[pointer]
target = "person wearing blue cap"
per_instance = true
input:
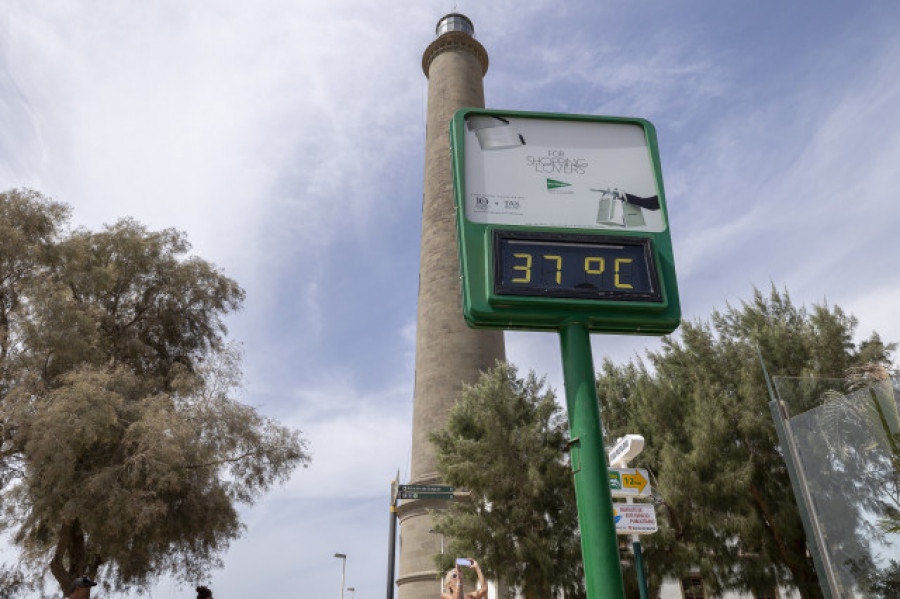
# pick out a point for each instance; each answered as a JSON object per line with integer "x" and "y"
{"x": 81, "y": 588}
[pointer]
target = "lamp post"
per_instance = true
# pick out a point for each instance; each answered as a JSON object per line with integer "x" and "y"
{"x": 343, "y": 559}
{"x": 352, "y": 592}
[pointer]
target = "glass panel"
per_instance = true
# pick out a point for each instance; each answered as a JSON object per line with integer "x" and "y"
{"x": 848, "y": 448}
{"x": 455, "y": 23}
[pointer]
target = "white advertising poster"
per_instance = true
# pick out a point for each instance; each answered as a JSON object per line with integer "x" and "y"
{"x": 547, "y": 172}
{"x": 634, "y": 518}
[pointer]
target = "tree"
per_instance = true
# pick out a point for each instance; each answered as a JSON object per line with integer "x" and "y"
{"x": 884, "y": 582}
{"x": 504, "y": 443}
{"x": 29, "y": 228}
{"x": 123, "y": 450}
{"x": 725, "y": 501}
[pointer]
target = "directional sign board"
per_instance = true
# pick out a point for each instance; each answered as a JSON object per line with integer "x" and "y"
{"x": 634, "y": 518}
{"x": 413, "y": 495}
{"x": 629, "y": 482}
{"x": 562, "y": 217}
{"x": 426, "y": 492}
{"x": 625, "y": 450}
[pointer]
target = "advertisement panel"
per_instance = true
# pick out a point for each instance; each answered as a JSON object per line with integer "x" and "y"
{"x": 562, "y": 218}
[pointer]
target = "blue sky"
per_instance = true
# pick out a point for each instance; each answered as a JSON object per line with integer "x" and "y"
{"x": 286, "y": 139}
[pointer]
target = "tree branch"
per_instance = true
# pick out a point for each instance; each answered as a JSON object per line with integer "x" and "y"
{"x": 232, "y": 460}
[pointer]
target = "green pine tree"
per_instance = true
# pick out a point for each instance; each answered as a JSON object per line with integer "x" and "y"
{"x": 505, "y": 443}
{"x": 725, "y": 503}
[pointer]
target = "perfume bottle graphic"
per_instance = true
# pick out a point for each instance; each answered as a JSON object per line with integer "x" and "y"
{"x": 620, "y": 209}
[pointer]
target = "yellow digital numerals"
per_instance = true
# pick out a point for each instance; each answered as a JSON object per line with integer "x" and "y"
{"x": 558, "y": 261}
{"x": 526, "y": 268}
{"x": 593, "y": 265}
{"x": 619, "y": 284}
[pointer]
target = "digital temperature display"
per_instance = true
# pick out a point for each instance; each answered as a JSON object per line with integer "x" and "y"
{"x": 591, "y": 267}
{"x": 561, "y": 219}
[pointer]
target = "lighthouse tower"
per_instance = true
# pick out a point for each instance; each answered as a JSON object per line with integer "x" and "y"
{"x": 448, "y": 352}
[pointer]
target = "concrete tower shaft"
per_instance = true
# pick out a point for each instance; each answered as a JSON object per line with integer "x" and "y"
{"x": 448, "y": 352}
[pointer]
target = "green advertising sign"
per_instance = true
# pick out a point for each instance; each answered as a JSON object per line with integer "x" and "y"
{"x": 562, "y": 218}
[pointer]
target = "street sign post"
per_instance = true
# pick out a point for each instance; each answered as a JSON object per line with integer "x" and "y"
{"x": 629, "y": 482}
{"x": 427, "y": 488}
{"x": 412, "y": 495}
{"x": 634, "y": 518}
{"x": 392, "y": 535}
{"x": 426, "y": 492}
{"x": 625, "y": 450}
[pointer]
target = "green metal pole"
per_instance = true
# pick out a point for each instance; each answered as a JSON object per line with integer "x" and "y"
{"x": 599, "y": 547}
{"x": 639, "y": 566}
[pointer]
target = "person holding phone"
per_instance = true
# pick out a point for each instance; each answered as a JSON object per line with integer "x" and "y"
{"x": 453, "y": 581}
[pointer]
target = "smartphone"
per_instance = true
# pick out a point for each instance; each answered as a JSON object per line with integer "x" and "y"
{"x": 462, "y": 561}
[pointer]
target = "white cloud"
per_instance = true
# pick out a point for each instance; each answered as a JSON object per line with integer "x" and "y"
{"x": 875, "y": 306}
{"x": 358, "y": 438}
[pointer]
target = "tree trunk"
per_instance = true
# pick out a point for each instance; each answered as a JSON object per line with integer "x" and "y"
{"x": 806, "y": 578}
{"x": 69, "y": 559}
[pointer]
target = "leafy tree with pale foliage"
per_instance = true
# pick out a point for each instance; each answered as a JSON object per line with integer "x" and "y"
{"x": 123, "y": 449}
{"x": 505, "y": 443}
{"x": 725, "y": 502}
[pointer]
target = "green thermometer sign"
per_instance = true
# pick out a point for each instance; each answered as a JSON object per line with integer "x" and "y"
{"x": 562, "y": 218}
